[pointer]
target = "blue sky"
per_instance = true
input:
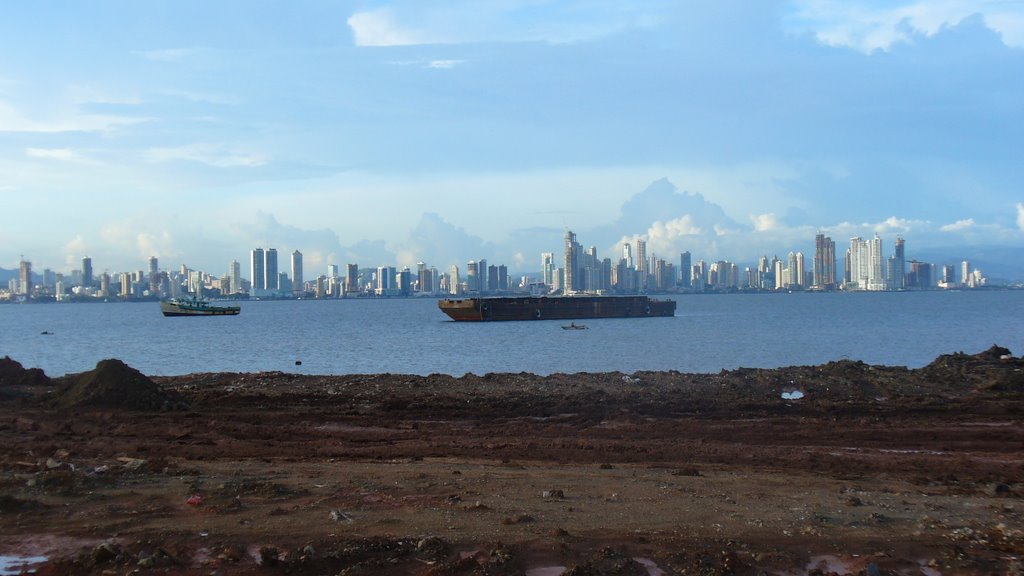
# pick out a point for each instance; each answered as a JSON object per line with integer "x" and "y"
{"x": 391, "y": 132}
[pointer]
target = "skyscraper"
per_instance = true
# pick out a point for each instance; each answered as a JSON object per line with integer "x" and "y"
{"x": 898, "y": 281}
{"x": 684, "y": 270}
{"x": 352, "y": 279}
{"x": 270, "y": 269}
{"x": 547, "y": 268}
{"x": 824, "y": 263}
{"x": 258, "y": 271}
{"x": 641, "y": 264}
{"x": 87, "y": 271}
{"x": 154, "y": 275}
{"x": 235, "y": 277}
{"x": 297, "y": 272}
{"x": 25, "y": 278}
{"x": 571, "y": 263}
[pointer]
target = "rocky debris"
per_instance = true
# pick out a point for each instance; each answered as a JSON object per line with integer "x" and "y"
{"x": 13, "y": 376}
{"x": 608, "y": 562}
{"x": 114, "y": 384}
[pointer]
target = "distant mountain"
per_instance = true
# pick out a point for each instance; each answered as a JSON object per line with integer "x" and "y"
{"x": 1000, "y": 264}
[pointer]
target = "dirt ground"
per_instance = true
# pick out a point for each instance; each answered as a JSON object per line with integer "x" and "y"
{"x": 874, "y": 470}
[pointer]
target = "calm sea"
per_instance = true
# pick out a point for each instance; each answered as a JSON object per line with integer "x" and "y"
{"x": 709, "y": 333}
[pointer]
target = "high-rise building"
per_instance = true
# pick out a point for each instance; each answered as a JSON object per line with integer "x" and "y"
{"x": 235, "y": 277}
{"x": 684, "y": 271}
{"x": 454, "y": 284}
{"x": 641, "y": 264}
{"x": 154, "y": 275}
{"x": 258, "y": 271}
{"x": 876, "y": 270}
{"x": 25, "y": 278}
{"x": 571, "y": 263}
{"x": 352, "y": 279}
{"x": 270, "y": 269}
{"x": 87, "y": 279}
{"x": 824, "y": 273}
{"x": 547, "y": 268}
{"x": 472, "y": 277}
{"x": 898, "y": 281}
{"x": 297, "y": 272}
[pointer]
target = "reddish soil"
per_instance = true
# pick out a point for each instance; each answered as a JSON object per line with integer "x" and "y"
{"x": 875, "y": 470}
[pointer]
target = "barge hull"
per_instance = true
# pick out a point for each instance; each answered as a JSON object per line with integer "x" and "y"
{"x": 555, "y": 308}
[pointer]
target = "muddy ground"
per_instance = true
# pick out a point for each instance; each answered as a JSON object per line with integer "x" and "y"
{"x": 874, "y": 470}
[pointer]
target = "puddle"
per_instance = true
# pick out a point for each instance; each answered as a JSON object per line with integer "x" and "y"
{"x": 652, "y": 568}
{"x": 547, "y": 571}
{"x": 13, "y": 565}
{"x": 794, "y": 395}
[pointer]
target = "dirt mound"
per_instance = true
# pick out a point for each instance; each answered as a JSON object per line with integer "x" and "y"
{"x": 114, "y": 384}
{"x": 12, "y": 373}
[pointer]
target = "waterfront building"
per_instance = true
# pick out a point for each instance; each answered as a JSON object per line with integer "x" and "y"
{"x": 352, "y": 279}
{"x": 824, "y": 263}
{"x": 641, "y": 264}
{"x": 25, "y": 278}
{"x": 153, "y": 276}
{"x": 571, "y": 263}
{"x": 258, "y": 271}
{"x": 453, "y": 281}
{"x": 898, "y": 280}
{"x": 472, "y": 279}
{"x": 685, "y": 279}
{"x": 547, "y": 268}
{"x": 297, "y": 272}
{"x": 270, "y": 270}
{"x": 235, "y": 277}
{"x": 965, "y": 274}
{"x": 87, "y": 279}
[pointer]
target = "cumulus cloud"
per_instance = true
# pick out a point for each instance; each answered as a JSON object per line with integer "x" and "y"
{"x": 1020, "y": 215}
{"x": 958, "y": 226}
{"x": 764, "y": 222}
{"x": 378, "y": 28}
{"x": 869, "y": 27}
{"x": 74, "y": 250}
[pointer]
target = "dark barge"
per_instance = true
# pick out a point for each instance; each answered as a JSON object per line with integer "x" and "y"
{"x": 555, "y": 308}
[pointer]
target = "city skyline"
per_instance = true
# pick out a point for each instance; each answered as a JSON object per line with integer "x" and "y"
{"x": 864, "y": 268}
{"x": 399, "y": 131}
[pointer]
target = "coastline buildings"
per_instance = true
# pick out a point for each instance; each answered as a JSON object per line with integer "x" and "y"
{"x": 584, "y": 271}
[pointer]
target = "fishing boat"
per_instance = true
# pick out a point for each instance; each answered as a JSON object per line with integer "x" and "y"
{"x": 195, "y": 307}
{"x": 574, "y": 326}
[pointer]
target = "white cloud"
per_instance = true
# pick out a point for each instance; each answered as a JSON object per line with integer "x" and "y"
{"x": 444, "y": 64}
{"x": 74, "y": 250}
{"x": 1020, "y": 215}
{"x": 215, "y": 155}
{"x": 166, "y": 55}
{"x": 378, "y": 28}
{"x": 764, "y": 222}
{"x": 12, "y": 120}
{"x": 63, "y": 154}
{"x": 958, "y": 226}
{"x": 467, "y": 21}
{"x": 868, "y": 28}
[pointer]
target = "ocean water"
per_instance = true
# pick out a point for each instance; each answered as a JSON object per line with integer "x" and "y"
{"x": 709, "y": 333}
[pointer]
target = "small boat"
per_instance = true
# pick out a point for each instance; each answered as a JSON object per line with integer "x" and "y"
{"x": 574, "y": 326}
{"x": 195, "y": 307}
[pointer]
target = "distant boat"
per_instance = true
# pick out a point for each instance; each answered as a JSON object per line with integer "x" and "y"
{"x": 574, "y": 326}
{"x": 195, "y": 307}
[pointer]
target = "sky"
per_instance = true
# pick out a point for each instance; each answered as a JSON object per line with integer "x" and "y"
{"x": 386, "y": 133}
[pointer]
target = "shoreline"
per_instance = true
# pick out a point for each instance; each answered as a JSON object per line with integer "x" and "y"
{"x": 874, "y": 470}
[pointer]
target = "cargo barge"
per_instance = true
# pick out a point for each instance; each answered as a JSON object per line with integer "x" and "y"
{"x": 555, "y": 308}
